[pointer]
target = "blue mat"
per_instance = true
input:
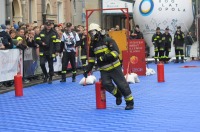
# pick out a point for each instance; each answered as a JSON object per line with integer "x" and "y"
{"x": 172, "y": 106}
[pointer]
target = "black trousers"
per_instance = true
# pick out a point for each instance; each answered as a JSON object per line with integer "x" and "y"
{"x": 49, "y": 59}
{"x": 179, "y": 53}
{"x": 69, "y": 57}
{"x": 116, "y": 76}
{"x": 166, "y": 54}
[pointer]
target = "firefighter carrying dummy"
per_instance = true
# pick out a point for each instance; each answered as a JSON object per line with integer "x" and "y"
{"x": 106, "y": 52}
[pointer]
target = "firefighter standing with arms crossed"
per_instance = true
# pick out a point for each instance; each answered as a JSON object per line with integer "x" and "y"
{"x": 106, "y": 51}
{"x": 49, "y": 46}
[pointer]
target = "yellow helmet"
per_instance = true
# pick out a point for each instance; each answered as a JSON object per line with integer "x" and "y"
{"x": 94, "y": 26}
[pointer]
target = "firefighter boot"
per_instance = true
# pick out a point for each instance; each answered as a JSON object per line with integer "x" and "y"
{"x": 63, "y": 79}
{"x": 182, "y": 60}
{"x": 74, "y": 77}
{"x": 156, "y": 61}
{"x": 50, "y": 80}
{"x": 118, "y": 96}
{"x": 129, "y": 105}
{"x": 177, "y": 60}
{"x": 45, "y": 78}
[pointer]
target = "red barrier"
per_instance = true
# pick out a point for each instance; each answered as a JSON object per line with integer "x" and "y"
{"x": 18, "y": 85}
{"x": 100, "y": 96}
{"x": 134, "y": 57}
{"x": 160, "y": 72}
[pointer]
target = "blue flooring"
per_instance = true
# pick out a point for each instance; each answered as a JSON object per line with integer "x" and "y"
{"x": 172, "y": 106}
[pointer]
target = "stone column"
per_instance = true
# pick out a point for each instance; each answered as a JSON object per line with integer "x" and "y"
{"x": 11, "y": 12}
{"x": 23, "y": 3}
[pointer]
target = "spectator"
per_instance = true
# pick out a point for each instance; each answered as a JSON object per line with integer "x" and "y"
{"x": 117, "y": 28}
{"x": 188, "y": 43}
{"x": 136, "y": 34}
{"x": 15, "y": 25}
{"x": 5, "y": 39}
{"x": 21, "y": 39}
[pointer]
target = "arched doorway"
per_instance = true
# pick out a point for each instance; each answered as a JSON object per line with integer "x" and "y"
{"x": 17, "y": 10}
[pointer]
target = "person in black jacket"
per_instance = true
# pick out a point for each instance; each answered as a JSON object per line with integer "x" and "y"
{"x": 179, "y": 44}
{"x": 188, "y": 43}
{"x": 167, "y": 40}
{"x": 49, "y": 48}
{"x": 137, "y": 34}
{"x": 5, "y": 39}
{"x": 106, "y": 52}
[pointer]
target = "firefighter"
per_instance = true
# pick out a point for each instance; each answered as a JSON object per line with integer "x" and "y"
{"x": 49, "y": 46}
{"x": 178, "y": 44}
{"x": 83, "y": 45}
{"x": 68, "y": 46}
{"x": 106, "y": 51}
{"x": 158, "y": 45}
{"x": 167, "y": 40}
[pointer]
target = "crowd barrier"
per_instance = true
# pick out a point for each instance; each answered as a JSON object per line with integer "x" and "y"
{"x": 14, "y": 61}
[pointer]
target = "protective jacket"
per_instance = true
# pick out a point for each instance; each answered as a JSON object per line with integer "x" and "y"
{"x": 51, "y": 40}
{"x": 158, "y": 42}
{"x": 179, "y": 40}
{"x": 106, "y": 51}
{"x": 167, "y": 40}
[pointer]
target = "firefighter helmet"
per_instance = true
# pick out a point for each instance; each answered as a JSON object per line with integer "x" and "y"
{"x": 94, "y": 26}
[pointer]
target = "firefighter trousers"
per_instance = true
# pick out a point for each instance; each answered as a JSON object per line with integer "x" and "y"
{"x": 43, "y": 60}
{"x": 179, "y": 53}
{"x": 69, "y": 57}
{"x": 115, "y": 75}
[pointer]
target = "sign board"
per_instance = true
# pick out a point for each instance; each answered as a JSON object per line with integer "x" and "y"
{"x": 134, "y": 60}
{"x": 116, "y": 4}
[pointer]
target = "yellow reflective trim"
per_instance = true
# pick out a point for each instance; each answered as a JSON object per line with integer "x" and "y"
{"x": 110, "y": 67}
{"x": 53, "y": 55}
{"x": 157, "y": 36}
{"x": 58, "y": 40}
{"x": 42, "y": 35}
{"x": 100, "y": 58}
{"x": 83, "y": 57}
{"x": 54, "y": 36}
{"x": 155, "y": 39}
{"x": 73, "y": 72}
{"x": 54, "y": 41}
{"x": 101, "y": 50}
{"x": 163, "y": 38}
{"x": 91, "y": 61}
{"x": 19, "y": 38}
{"x": 41, "y": 54}
{"x": 114, "y": 53}
{"x": 129, "y": 98}
{"x": 114, "y": 92}
{"x": 38, "y": 38}
{"x": 63, "y": 71}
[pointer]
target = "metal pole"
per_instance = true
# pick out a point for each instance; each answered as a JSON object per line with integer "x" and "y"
{"x": 197, "y": 10}
{"x": 197, "y": 22}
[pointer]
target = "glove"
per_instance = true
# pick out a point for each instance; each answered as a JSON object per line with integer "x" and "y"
{"x": 85, "y": 74}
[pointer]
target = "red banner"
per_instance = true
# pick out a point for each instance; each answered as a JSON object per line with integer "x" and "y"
{"x": 134, "y": 60}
